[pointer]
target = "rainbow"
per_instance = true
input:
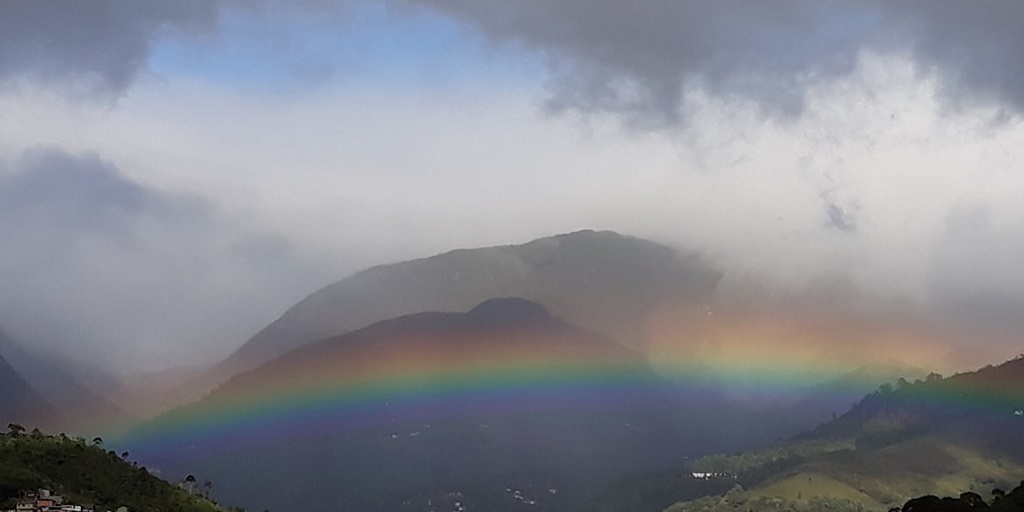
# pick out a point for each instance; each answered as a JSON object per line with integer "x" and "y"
{"x": 317, "y": 391}
{"x": 416, "y": 378}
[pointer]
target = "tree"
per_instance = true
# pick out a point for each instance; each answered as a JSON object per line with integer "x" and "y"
{"x": 98, "y": 441}
{"x": 207, "y": 487}
{"x": 14, "y": 429}
{"x": 190, "y": 481}
{"x": 735, "y": 496}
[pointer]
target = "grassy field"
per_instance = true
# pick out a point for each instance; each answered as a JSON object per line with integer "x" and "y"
{"x": 924, "y": 465}
{"x": 874, "y": 477}
{"x": 800, "y": 487}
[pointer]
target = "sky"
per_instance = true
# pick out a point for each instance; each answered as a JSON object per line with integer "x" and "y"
{"x": 174, "y": 175}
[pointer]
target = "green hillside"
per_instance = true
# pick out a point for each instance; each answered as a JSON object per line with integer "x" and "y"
{"x": 868, "y": 479}
{"x": 938, "y": 437}
{"x": 86, "y": 474}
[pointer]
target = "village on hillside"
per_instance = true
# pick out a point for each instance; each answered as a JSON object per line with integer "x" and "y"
{"x": 45, "y": 501}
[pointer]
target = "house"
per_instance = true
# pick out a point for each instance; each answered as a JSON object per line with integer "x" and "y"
{"x": 45, "y": 501}
{"x": 707, "y": 475}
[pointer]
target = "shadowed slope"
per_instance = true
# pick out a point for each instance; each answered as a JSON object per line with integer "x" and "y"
{"x": 56, "y": 383}
{"x": 23, "y": 405}
{"x": 20, "y": 403}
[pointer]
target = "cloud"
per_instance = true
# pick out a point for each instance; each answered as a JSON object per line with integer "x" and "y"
{"x": 96, "y": 48}
{"x": 638, "y": 59}
{"x": 837, "y": 216}
{"x": 107, "y": 270}
{"x": 73, "y": 194}
{"x": 839, "y": 219}
{"x": 977, "y": 276}
{"x": 975, "y": 48}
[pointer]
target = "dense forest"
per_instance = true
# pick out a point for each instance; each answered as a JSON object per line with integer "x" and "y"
{"x": 84, "y": 473}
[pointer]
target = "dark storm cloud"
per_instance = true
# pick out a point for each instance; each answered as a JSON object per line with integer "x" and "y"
{"x": 103, "y": 43}
{"x": 100, "y": 267}
{"x": 638, "y": 58}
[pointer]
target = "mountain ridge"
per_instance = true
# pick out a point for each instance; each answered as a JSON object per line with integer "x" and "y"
{"x": 57, "y": 383}
{"x": 21, "y": 403}
{"x": 597, "y": 279}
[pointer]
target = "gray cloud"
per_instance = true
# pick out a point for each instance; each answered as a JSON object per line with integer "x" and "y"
{"x": 100, "y": 44}
{"x": 69, "y": 193}
{"x": 634, "y": 59}
{"x": 638, "y": 59}
{"x": 839, "y": 216}
{"x": 836, "y": 217}
{"x": 106, "y": 270}
{"x": 974, "y": 47}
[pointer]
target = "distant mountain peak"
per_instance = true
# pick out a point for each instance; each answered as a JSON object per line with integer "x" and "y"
{"x": 510, "y": 311}
{"x": 601, "y": 281}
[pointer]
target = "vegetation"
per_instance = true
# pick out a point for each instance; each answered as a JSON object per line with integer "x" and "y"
{"x": 968, "y": 501}
{"x": 739, "y": 500}
{"x": 654, "y": 492}
{"x": 748, "y": 464}
{"x": 941, "y": 436}
{"x": 85, "y": 473}
{"x": 863, "y": 476}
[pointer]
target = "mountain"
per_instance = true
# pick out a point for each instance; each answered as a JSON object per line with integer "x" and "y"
{"x": 988, "y": 402}
{"x": 599, "y": 280}
{"x": 20, "y": 403}
{"x": 499, "y": 407}
{"x": 937, "y": 436}
{"x": 816, "y": 403}
{"x": 55, "y": 383}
